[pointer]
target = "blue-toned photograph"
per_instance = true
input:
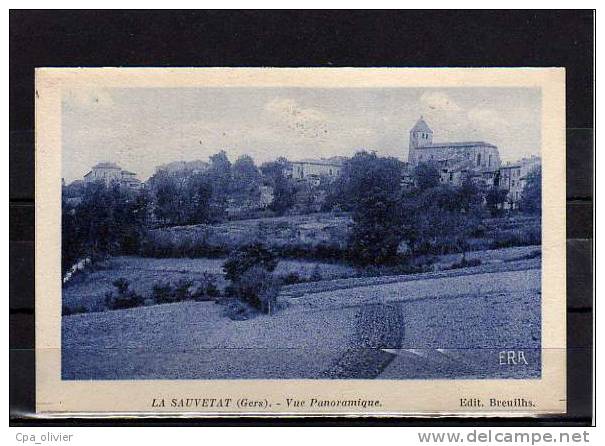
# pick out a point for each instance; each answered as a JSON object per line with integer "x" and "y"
{"x": 301, "y": 233}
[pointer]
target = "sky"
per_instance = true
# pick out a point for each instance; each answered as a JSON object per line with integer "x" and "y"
{"x": 141, "y": 128}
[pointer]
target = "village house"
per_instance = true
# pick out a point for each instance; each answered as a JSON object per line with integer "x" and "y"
{"x": 112, "y": 173}
{"x": 129, "y": 179}
{"x": 513, "y": 178}
{"x": 510, "y": 180}
{"x": 313, "y": 169}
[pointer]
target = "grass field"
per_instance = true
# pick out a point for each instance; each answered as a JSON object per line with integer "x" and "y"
{"x": 88, "y": 290}
{"x": 321, "y": 236}
{"x": 295, "y": 233}
{"x": 142, "y": 273}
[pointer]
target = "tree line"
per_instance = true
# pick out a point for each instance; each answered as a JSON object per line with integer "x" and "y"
{"x": 99, "y": 219}
{"x": 429, "y": 217}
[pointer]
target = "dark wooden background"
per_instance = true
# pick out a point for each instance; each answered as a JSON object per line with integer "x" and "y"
{"x": 292, "y": 39}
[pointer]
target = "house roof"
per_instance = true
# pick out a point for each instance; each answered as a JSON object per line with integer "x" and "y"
{"x": 106, "y": 165}
{"x": 320, "y": 162}
{"x": 421, "y": 126}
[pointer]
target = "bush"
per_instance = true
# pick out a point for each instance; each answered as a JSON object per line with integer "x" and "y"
{"x": 78, "y": 309}
{"x": 249, "y": 269}
{"x": 395, "y": 270}
{"x": 185, "y": 289}
{"x": 316, "y": 274}
{"x": 465, "y": 263}
{"x": 165, "y": 243}
{"x": 162, "y": 292}
{"x": 124, "y": 298}
{"x": 257, "y": 287}
{"x": 325, "y": 251}
{"x": 206, "y": 288}
{"x": 291, "y": 278}
{"x": 518, "y": 237}
{"x": 247, "y": 257}
{"x": 182, "y": 290}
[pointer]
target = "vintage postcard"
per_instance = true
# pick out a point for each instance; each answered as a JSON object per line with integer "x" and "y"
{"x": 289, "y": 242}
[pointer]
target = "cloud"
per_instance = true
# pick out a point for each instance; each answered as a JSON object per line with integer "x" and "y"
{"x": 302, "y": 121}
{"x": 458, "y": 121}
{"x": 439, "y": 102}
{"x": 485, "y": 118}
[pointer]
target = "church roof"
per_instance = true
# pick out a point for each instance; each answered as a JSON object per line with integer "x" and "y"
{"x": 421, "y": 126}
{"x": 457, "y": 144}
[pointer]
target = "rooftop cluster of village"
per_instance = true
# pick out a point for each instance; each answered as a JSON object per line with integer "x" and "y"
{"x": 455, "y": 161}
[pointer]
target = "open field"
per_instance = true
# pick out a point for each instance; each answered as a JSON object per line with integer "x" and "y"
{"x": 292, "y": 235}
{"x": 316, "y": 236}
{"x": 89, "y": 290}
{"x": 192, "y": 340}
{"x": 142, "y": 273}
{"x": 449, "y": 326}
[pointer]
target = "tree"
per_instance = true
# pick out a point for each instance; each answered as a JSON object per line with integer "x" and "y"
{"x": 72, "y": 239}
{"x": 337, "y": 197}
{"x": 246, "y": 257}
{"x": 470, "y": 198}
{"x": 372, "y": 186}
{"x": 495, "y": 199}
{"x": 74, "y": 189}
{"x": 245, "y": 171}
{"x": 283, "y": 187}
{"x": 167, "y": 198}
{"x": 108, "y": 220}
{"x": 531, "y": 197}
{"x": 441, "y": 219}
{"x": 426, "y": 176}
{"x": 185, "y": 197}
{"x": 249, "y": 269}
{"x": 95, "y": 216}
{"x": 246, "y": 180}
{"x": 221, "y": 174}
{"x": 130, "y": 210}
{"x": 199, "y": 196}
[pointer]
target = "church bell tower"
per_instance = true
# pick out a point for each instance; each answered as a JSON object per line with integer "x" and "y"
{"x": 421, "y": 135}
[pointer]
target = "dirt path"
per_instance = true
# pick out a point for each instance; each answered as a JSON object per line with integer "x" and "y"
{"x": 379, "y": 327}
